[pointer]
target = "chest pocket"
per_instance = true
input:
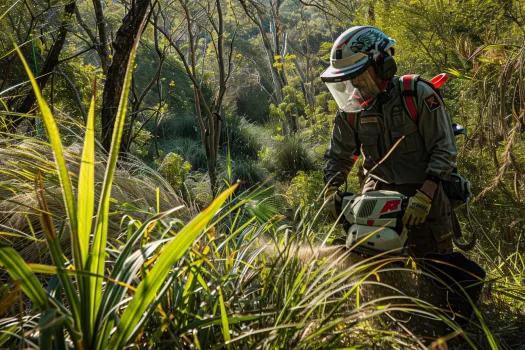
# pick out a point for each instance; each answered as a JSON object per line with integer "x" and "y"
{"x": 369, "y": 146}
{"x": 369, "y": 136}
{"x": 409, "y": 131}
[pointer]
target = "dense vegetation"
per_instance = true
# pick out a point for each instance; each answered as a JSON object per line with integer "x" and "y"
{"x": 125, "y": 126}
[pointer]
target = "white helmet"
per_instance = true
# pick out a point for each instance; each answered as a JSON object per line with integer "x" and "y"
{"x": 353, "y": 52}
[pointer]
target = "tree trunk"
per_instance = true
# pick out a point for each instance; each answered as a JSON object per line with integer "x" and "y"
{"x": 370, "y": 12}
{"x": 292, "y": 122}
{"x": 270, "y": 53}
{"x": 307, "y": 91}
{"x": 258, "y": 20}
{"x": 126, "y": 35}
{"x": 52, "y": 60}
{"x": 101, "y": 44}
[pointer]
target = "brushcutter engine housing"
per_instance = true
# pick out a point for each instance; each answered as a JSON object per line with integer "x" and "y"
{"x": 374, "y": 222}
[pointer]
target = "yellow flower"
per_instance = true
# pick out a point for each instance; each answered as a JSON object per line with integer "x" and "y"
{"x": 108, "y": 4}
{"x": 279, "y": 128}
{"x": 172, "y": 83}
{"x": 110, "y": 57}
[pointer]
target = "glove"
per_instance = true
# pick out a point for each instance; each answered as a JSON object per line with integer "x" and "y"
{"x": 332, "y": 199}
{"x": 417, "y": 209}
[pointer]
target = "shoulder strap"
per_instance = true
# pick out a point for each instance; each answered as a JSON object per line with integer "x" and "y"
{"x": 408, "y": 84}
{"x": 352, "y": 119}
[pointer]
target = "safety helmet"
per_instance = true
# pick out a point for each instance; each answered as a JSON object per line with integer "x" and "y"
{"x": 353, "y": 52}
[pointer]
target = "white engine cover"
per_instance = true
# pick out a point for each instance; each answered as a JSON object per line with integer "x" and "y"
{"x": 376, "y": 239}
{"x": 375, "y": 221}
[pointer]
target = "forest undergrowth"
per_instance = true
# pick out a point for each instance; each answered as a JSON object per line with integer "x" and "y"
{"x": 123, "y": 225}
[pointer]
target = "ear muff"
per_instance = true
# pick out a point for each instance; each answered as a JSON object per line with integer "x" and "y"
{"x": 386, "y": 66}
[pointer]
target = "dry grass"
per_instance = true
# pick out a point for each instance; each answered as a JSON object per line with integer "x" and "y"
{"x": 134, "y": 193}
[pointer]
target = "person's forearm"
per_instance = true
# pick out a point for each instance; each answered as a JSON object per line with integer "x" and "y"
{"x": 429, "y": 188}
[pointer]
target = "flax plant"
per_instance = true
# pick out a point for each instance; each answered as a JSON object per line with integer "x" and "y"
{"x": 98, "y": 311}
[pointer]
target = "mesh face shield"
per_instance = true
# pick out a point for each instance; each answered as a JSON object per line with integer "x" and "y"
{"x": 353, "y": 95}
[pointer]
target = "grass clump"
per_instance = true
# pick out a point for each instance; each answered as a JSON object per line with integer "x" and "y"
{"x": 180, "y": 126}
{"x": 192, "y": 151}
{"x": 242, "y": 138}
{"x": 249, "y": 172}
{"x": 289, "y": 156}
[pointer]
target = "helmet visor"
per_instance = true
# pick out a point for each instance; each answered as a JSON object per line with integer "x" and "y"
{"x": 353, "y": 95}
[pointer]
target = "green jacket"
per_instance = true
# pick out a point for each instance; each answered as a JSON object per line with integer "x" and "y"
{"x": 428, "y": 149}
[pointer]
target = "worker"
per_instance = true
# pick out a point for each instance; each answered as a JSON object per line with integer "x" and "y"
{"x": 400, "y": 127}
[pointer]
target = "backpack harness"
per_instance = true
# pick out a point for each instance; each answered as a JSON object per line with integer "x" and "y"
{"x": 407, "y": 84}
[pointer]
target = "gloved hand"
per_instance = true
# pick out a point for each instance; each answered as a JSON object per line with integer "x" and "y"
{"x": 332, "y": 198}
{"x": 417, "y": 209}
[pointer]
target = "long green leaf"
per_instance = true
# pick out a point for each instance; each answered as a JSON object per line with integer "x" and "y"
{"x": 148, "y": 289}
{"x": 86, "y": 205}
{"x": 19, "y": 271}
{"x": 56, "y": 145}
{"x": 86, "y": 185}
{"x": 4, "y": 337}
{"x": 224, "y": 318}
{"x": 97, "y": 258}
{"x": 125, "y": 269}
{"x": 45, "y": 340}
{"x": 53, "y": 242}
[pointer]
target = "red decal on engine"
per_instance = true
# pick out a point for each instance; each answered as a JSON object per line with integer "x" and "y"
{"x": 391, "y": 205}
{"x": 370, "y": 223}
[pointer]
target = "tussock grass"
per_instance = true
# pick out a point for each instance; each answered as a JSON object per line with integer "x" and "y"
{"x": 288, "y": 157}
{"x": 243, "y": 139}
{"x": 192, "y": 151}
{"x": 134, "y": 193}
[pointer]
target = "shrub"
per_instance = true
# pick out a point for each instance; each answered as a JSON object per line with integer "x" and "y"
{"x": 252, "y": 101}
{"x": 305, "y": 189}
{"x": 243, "y": 139}
{"x": 249, "y": 172}
{"x": 198, "y": 187}
{"x": 139, "y": 145}
{"x": 192, "y": 151}
{"x": 178, "y": 126}
{"x": 174, "y": 169}
{"x": 288, "y": 157}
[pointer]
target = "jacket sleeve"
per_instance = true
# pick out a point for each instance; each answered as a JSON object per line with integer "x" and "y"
{"x": 340, "y": 154}
{"x": 436, "y": 128}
